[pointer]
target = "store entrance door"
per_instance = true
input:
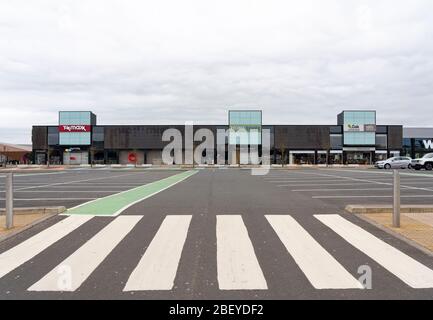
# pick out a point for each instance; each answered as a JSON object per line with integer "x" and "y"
{"x": 76, "y": 157}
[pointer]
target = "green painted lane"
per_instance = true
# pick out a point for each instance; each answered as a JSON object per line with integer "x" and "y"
{"x": 116, "y": 203}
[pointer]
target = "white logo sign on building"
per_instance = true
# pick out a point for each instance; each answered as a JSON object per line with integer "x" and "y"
{"x": 360, "y": 127}
{"x": 428, "y": 144}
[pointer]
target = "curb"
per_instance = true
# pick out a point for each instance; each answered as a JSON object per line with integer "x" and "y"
{"x": 371, "y": 209}
{"x": 396, "y": 235}
{"x": 35, "y": 210}
{"x": 31, "y": 225}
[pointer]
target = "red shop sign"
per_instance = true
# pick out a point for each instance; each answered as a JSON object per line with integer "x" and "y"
{"x": 75, "y": 128}
{"x": 132, "y": 157}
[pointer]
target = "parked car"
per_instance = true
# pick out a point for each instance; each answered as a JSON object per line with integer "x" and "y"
{"x": 425, "y": 162}
{"x": 395, "y": 163}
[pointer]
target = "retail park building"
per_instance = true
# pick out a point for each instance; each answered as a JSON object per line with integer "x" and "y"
{"x": 355, "y": 138}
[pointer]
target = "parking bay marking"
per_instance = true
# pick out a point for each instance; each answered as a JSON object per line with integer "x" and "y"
{"x": 61, "y": 191}
{"x": 75, "y": 181}
{"x": 331, "y": 190}
{"x": 34, "y": 174}
{"x": 114, "y": 204}
{"x": 421, "y": 175}
{"x": 302, "y": 181}
{"x": 319, "y": 184}
{"x": 365, "y": 181}
{"x": 49, "y": 199}
{"x": 346, "y": 197}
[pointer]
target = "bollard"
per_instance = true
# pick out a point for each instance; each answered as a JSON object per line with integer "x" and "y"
{"x": 396, "y": 198}
{"x": 9, "y": 201}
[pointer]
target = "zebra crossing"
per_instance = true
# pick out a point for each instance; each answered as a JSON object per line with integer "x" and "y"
{"x": 158, "y": 266}
{"x": 238, "y": 266}
{"x": 321, "y": 269}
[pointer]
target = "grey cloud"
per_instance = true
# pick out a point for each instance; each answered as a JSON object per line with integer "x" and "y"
{"x": 135, "y": 62}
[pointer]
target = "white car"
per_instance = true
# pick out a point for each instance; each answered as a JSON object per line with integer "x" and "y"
{"x": 425, "y": 162}
{"x": 395, "y": 163}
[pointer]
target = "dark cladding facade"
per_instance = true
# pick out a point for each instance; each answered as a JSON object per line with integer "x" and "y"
{"x": 356, "y": 139}
{"x": 417, "y": 142}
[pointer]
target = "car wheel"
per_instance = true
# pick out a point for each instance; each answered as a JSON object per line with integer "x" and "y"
{"x": 387, "y": 166}
{"x": 409, "y": 166}
{"x": 429, "y": 166}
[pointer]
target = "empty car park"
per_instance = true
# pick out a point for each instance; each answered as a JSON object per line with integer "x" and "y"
{"x": 213, "y": 233}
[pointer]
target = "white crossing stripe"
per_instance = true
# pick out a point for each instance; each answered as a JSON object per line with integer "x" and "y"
{"x": 320, "y": 268}
{"x": 158, "y": 267}
{"x": 74, "y": 270}
{"x": 26, "y": 250}
{"x": 401, "y": 265}
{"x": 237, "y": 265}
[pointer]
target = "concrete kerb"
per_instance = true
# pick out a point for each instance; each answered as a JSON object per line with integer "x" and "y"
{"x": 36, "y": 210}
{"x": 395, "y": 234}
{"x": 368, "y": 213}
{"x": 371, "y": 209}
{"x": 50, "y": 211}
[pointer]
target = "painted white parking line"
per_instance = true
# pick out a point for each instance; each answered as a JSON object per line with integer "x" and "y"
{"x": 375, "y": 172}
{"x": 320, "y": 268}
{"x": 319, "y": 184}
{"x": 74, "y": 270}
{"x": 48, "y": 199}
{"x": 237, "y": 265}
{"x": 401, "y": 265}
{"x": 158, "y": 267}
{"x": 302, "y": 178}
{"x": 78, "y": 187}
{"x": 26, "y": 250}
{"x": 305, "y": 181}
{"x": 77, "y": 181}
{"x": 372, "y": 196}
{"x": 359, "y": 181}
{"x": 340, "y": 190}
{"x": 34, "y": 174}
{"x": 87, "y": 184}
{"x": 62, "y": 191}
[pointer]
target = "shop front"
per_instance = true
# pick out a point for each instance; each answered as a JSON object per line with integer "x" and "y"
{"x": 322, "y": 157}
{"x": 360, "y": 156}
{"x": 336, "y": 157}
{"x": 75, "y": 136}
{"x": 417, "y": 147}
{"x": 302, "y": 157}
{"x": 75, "y": 157}
{"x": 355, "y": 139}
{"x": 380, "y": 155}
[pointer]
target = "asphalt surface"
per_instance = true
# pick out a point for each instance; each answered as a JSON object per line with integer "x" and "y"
{"x": 206, "y": 197}
{"x": 72, "y": 187}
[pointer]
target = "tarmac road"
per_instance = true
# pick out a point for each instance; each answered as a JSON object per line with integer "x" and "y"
{"x": 215, "y": 234}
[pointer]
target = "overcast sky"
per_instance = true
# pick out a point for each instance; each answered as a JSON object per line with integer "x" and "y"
{"x": 148, "y": 62}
